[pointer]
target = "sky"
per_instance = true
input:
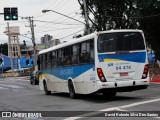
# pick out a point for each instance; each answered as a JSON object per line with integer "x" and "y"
{"x": 60, "y": 27}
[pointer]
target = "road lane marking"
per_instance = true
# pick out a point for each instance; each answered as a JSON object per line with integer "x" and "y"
{"x": 139, "y": 103}
{"x": 119, "y": 108}
{"x": 11, "y": 86}
{"x": 3, "y": 88}
{"x": 152, "y": 75}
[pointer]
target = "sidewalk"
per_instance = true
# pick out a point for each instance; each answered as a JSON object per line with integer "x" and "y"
{"x": 24, "y": 77}
{"x": 155, "y": 75}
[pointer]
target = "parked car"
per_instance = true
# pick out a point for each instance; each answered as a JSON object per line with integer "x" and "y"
{"x": 34, "y": 79}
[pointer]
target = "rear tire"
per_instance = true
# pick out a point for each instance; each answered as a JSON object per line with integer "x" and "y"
{"x": 46, "y": 89}
{"x": 72, "y": 93}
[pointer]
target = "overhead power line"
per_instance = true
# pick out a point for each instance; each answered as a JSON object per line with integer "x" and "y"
{"x": 56, "y": 22}
{"x": 40, "y": 13}
{"x": 61, "y": 5}
{"x": 44, "y": 11}
{"x": 72, "y": 34}
{"x": 55, "y": 29}
{"x": 61, "y": 22}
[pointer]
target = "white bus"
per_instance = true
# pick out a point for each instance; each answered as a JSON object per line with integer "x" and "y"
{"x": 107, "y": 62}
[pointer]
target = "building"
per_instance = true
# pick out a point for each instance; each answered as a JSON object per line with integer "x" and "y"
{"x": 48, "y": 41}
{"x": 42, "y": 40}
{"x": 53, "y": 42}
{"x": 46, "y": 38}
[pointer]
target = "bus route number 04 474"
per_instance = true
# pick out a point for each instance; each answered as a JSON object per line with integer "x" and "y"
{"x": 127, "y": 67}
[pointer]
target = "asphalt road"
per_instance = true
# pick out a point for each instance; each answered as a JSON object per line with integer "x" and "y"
{"x": 16, "y": 94}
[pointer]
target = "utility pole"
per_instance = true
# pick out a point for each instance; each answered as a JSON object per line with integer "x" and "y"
{"x": 86, "y": 17}
{"x": 10, "y": 48}
{"x": 31, "y": 22}
{"x": 34, "y": 44}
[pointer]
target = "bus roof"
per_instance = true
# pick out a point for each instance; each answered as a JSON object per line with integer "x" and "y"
{"x": 90, "y": 36}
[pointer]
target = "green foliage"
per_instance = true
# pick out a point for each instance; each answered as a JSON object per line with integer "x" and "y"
{"x": 112, "y": 14}
{"x": 4, "y": 49}
{"x": 150, "y": 23}
{"x": 126, "y": 14}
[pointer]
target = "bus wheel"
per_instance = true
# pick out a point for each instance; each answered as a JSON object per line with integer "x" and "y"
{"x": 109, "y": 94}
{"x": 46, "y": 89}
{"x": 71, "y": 90}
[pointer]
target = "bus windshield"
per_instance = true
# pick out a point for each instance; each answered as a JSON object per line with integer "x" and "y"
{"x": 121, "y": 41}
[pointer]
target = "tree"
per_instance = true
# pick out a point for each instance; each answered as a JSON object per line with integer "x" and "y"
{"x": 150, "y": 23}
{"x": 111, "y": 14}
{"x": 127, "y": 14}
{"x": 4, "y": 49}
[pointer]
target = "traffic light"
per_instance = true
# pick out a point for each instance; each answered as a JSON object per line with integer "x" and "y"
{"x": 14, "y": 13}
{"x": 7, "y": 14}
{"x": 27, "y": 62}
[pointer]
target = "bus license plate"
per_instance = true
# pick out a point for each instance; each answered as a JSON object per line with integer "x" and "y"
{"x": 123, "y": 74}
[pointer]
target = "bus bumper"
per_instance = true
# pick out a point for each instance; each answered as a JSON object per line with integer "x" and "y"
{"x": 124, "y": 86}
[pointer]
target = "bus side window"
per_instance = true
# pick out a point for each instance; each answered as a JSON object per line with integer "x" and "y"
{"x": 45, "y": 61}
{"x": 68, "y": 55}
{"x": 54, "y": 59}
{"x": 49, "y": 58}
{"x": 85, "y": 52}
{"x": 75, "y": 56}
{"x": 60, "y": 57}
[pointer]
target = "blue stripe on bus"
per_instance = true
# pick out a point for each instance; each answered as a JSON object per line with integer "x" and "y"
{"x": 139, "y": 57}
{"x": 70, "y": 71}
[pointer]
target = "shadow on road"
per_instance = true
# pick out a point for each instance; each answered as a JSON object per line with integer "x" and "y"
{"x": 96, "y": 97}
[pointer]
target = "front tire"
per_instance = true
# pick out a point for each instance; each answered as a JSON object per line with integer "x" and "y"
{"x": 72, "y": 93}
{"x": 46, "y": 89}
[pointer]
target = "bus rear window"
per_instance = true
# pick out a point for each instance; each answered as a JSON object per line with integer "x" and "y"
{"x": 121, "y": 41}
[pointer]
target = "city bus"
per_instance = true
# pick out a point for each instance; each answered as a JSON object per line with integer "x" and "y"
{"x": 104, "y": 62}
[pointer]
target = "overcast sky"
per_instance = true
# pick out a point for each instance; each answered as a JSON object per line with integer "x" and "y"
{"x": 61, "y": 26}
